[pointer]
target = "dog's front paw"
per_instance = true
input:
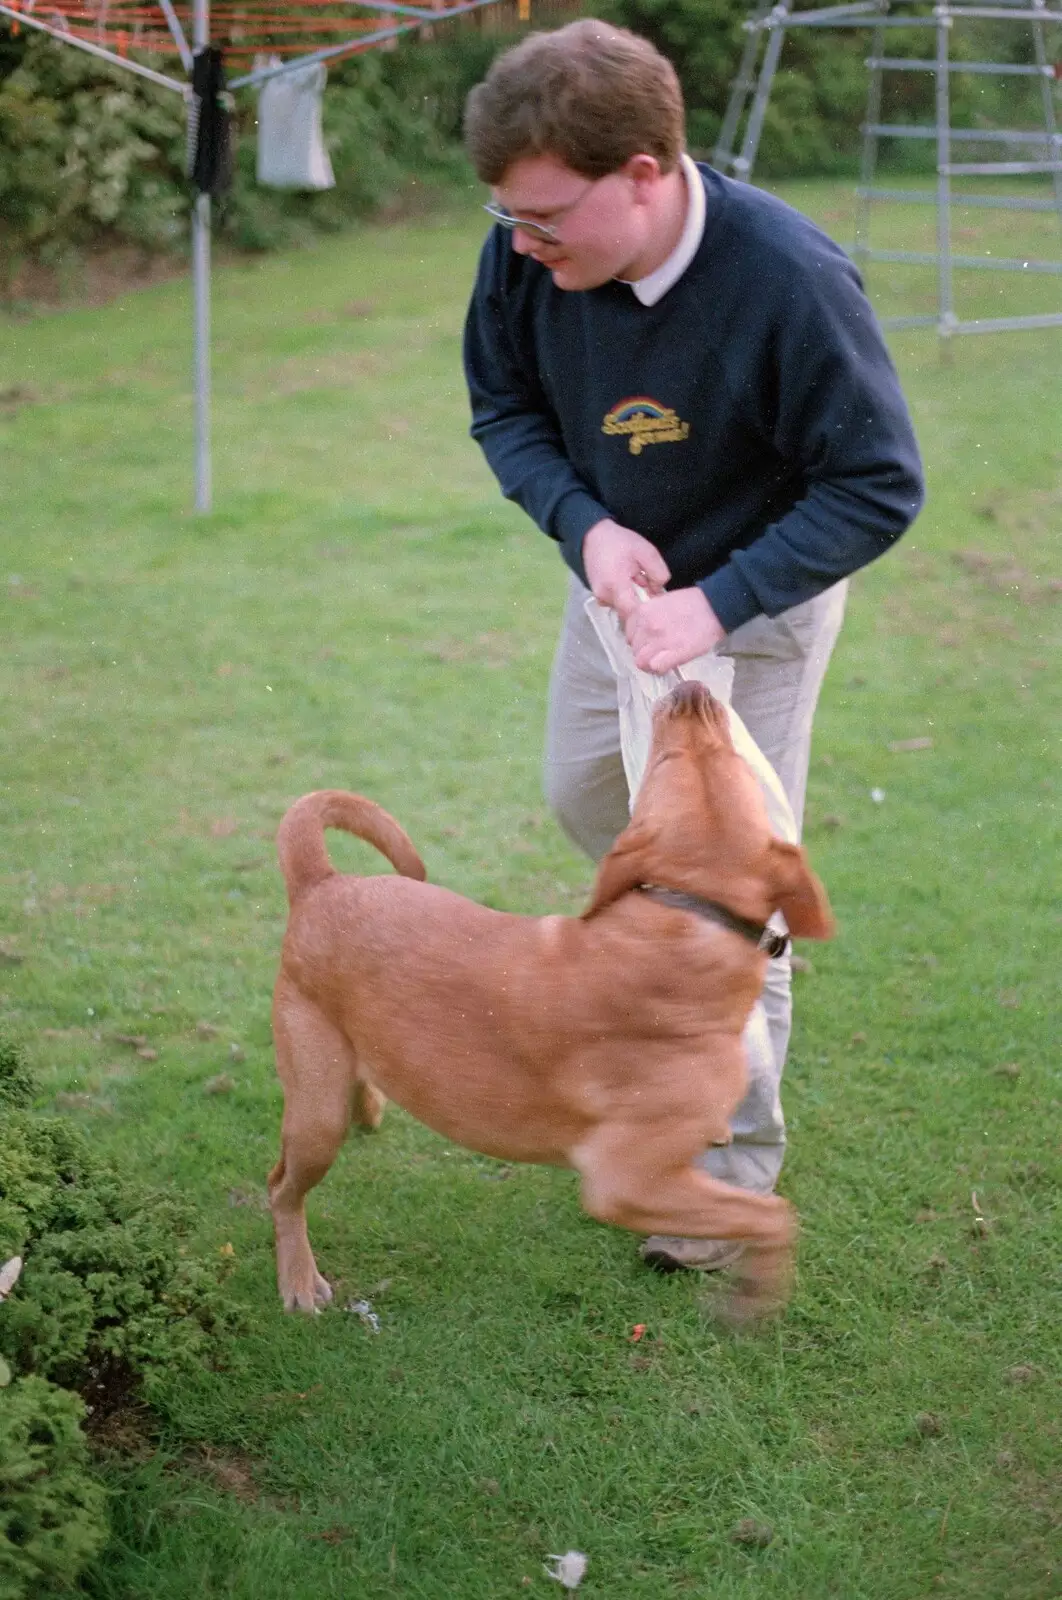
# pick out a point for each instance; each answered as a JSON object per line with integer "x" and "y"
{"x": 743, "y": 1311}
{"x": 310, "y": 1295}
{"x": 758, "y": 1290}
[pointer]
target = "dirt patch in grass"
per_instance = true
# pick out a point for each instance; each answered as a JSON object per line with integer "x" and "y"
{"x": 128, "y": 1431}
{"x": 108, "y": 1394}
{"x": 1004, "y": 574}
{"x": 14, "y": 398}
{"x": 299, "y": 374}
{"x": 493, "y": 649}
{"x": 232, "y": 1474}
{"x": 93, "y": 278}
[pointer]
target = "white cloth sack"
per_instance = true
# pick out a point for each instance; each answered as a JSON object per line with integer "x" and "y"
{"x": 638, "y": 692}
{"x": 291, "y": 150}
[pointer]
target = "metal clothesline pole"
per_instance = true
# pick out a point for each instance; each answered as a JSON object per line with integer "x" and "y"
{"x": 360, "y": 42}
{"x": 24, "y": 20}
{"x": 201, "y": 209}
{"x": 177, "y": 32}
{"x": 201, "y": 300}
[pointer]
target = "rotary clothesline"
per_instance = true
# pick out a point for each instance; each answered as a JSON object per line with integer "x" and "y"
{"x": 244, "y": 32}
{"x": 105, "y": 29}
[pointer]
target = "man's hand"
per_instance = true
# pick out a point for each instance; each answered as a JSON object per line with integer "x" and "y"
{"x": 672, "y": 629}
{"x": 616, "y": 559}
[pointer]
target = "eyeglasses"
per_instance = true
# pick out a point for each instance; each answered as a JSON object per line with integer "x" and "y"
{"x": 539, "y": 230}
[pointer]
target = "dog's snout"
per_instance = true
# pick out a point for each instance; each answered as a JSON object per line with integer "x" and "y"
{"x": 689, "y": 698}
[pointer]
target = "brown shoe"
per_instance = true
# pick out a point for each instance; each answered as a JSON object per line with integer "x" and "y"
{"x": 666, "y": 1254}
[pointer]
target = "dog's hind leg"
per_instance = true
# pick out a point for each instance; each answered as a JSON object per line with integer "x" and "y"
{"x": 369, "y": 1104}
{"x": 319, "y": 1072}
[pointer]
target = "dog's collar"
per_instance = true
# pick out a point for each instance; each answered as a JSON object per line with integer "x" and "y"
{"x": 764, "y": 938}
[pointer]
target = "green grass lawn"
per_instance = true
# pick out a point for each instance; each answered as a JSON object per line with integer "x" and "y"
{"x": 362, "y": 610}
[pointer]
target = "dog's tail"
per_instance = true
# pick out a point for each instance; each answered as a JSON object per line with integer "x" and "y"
{"x": 300, "y": 838}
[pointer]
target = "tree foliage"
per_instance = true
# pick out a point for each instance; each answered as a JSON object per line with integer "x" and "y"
{"x": 816, "y": 100}
{"x": 88, "y": 151}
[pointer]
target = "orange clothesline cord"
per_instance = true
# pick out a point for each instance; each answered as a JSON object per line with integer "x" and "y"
{"x": 220, "y": 19}
{"x": 127, "y": 24}
{"x": 122, "y": 13}
{"x": 145, "y": 14}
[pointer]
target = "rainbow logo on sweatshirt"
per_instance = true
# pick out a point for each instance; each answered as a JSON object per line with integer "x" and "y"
{"x": 643, "y": 421}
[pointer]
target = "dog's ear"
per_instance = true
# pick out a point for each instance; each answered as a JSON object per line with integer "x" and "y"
{"x": 798, "y": 894}
{"x": 625, "y": 867}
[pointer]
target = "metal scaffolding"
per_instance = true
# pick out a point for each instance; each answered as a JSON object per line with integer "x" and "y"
{"x": 1028, "y": 152}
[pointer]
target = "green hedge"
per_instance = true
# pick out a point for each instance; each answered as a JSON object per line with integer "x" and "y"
{"x": 88, "y": 151}
{"x": 818, "y": 98}
{"x": 107, "y": 1295}
{"x": 52, "y": 1509}
{"x": 111, "y": 1303}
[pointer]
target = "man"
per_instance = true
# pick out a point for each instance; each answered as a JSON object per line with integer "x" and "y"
{"x": 679, "y": 378}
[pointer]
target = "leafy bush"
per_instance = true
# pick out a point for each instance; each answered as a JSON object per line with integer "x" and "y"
{"x": 108, "y": 1295}
{"x": 108, "y": 1302}
{"x": 87, "y": 150}
{"x": 816, "y": 100}
{"x": 16, "y": 1080}
{"x": 387, "y": 126}
{"x": 52, "y": 1518}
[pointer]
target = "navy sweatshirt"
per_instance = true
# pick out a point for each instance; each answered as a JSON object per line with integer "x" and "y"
{"x": 750, "y": 424}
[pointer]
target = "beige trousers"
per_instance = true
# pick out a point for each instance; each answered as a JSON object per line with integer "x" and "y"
{"x": 779, "y": 665}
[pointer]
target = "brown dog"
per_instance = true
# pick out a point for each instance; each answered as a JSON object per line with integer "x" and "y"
{"x": 610, "y": 1042}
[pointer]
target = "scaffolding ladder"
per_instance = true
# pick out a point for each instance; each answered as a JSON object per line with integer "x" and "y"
{"x": 1026, "y": 152}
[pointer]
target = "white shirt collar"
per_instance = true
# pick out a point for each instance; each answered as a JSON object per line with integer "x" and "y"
{"x": 654, "y": 285}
